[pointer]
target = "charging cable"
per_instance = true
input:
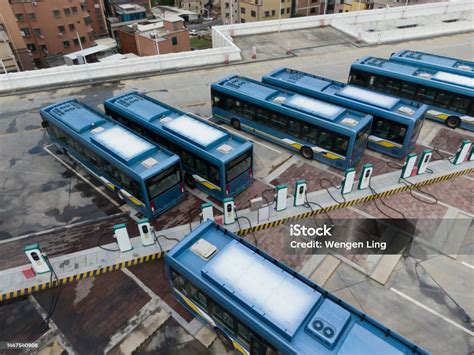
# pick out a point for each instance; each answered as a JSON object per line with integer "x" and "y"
{"x": 250, "y": 224}
{"x": 55, "y": 296}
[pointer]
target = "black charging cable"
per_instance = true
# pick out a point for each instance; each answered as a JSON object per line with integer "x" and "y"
{"x": 250, "y": 225}
{"x": 329, "y": 192}
{"x": 54, "y": 295}
{"x": 374, "y": 193}
{"x": 104, "y": 248}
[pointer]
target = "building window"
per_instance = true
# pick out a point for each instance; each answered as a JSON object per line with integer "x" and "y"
{"x": 37, "y": 32}
{"x": 242, "y": 20}
{"x": 87, "y": 20}
{"x": 174, "y": 41}
{"x": 66, "y": 44}
{"x": 226, "y": 5}
{"x": 61, "y": 29}
{"x": 288, "y": 10}
{"x": 267, "y": 14}
{"x": 31, "y": 47}
{"x": 72, "y": 28}
{"x": 242, "y": 10}
{"x": 20, "y": 17}
{"x": 83, "y": 7}
{"x": 74, "y": 9}
{"x": 25, "y": 32}
{"x": 83, "y": 39}
{"x": 273, "y": 12}
{"x": 76, "y": 42}
{"x": 67, "y": 11}
{"x": 32, "y": 16}
{"x": 44, "y": 49}
{"x": 253, "y": 13}
{"x": 313, "y": 10}
{"x": 282, "y": 11}
{"x": 56, "y": 13}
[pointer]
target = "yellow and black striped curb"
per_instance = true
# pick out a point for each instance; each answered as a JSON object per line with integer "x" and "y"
{"x": 83, "y": 275}
{"x": 354, "y": 202}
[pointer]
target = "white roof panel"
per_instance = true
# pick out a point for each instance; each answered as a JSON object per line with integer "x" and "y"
{"x": 314, "y": 106}
{"x": 123, "y": 143}
{"x": 454, "y": 79}
{"x": 197, "y": 131}
{"x": 262, "y": 286}
{"x": 367, "y": 96}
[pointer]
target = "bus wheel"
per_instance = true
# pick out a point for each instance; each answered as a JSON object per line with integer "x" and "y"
{"x": 224, "y": 339}
{"x": 189, "y": 180}
{"x": 120, "y": 196}
{"x": 235, "y": 123}
{"x": 453, "y": 122}
{"x": 306, "y": 152}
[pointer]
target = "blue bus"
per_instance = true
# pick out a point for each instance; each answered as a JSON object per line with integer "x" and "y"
{"x": 314, "y": 128}
{"x": 396, "y": 123}
{"x": 145, "y": 176}
{"x": 435, "y": 62}
{"x": 259, "y": 306}
{"x": 449, "y": 96}
{"x": 219, "y": 163}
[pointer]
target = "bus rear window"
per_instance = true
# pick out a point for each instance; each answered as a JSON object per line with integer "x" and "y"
{"x": 163, "y": 181}
{"x": 238, "y": 166}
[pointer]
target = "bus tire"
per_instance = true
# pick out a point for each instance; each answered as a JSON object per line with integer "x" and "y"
{"x": 453, "y": 122}
{"x": 189, "y": 180}
{"x": 307, "y": 153}
{"x": 228, "y": 345}
{"x": 120, "y": 196}
{"x": 235, "y": 123}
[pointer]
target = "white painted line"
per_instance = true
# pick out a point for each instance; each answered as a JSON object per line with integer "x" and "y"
{"x": 80, "y": 176}
{"x": 468, "y": 265}
{"x": 431, "y": 311}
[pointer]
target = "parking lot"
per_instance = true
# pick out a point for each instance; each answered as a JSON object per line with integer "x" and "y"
{"x": 46, "y": 198}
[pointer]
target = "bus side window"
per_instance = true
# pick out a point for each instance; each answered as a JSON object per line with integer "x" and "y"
{"x": 393, "y": 86}
{"x": 408, "y": 90}
{"x": 187, "y": 160}
{"x": 248, "y": 111}
{"x": 443, "y": 98}
{"x": 426, "y": 95}
{"x": 380, "y": 82}
{"x": 217, "y": 101}
{"x": 201, "y": 167}
{"x": 225, "y": 318}
{"x": 459, "y": 104}
{"x": 243, "y": 333}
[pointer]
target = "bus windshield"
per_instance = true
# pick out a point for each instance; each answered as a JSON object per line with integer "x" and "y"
{"x": 163, "y": 181}
{"x": 362, "y": 137}
{"x": 238, "y": 166}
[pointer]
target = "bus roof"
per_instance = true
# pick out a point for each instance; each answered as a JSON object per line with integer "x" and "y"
{"x": 194, "y": 131}
{"x": 311, "y": 109}
{"x": 116, "y": 143}
{"x": 310, "y": 84}
{"x": 463, "y": 67}
{"x": 456, "y": 83}
{"x": 256, "y": 289}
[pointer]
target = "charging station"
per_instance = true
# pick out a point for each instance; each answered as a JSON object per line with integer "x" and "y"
{"x": 300, "y": 192}
{"x": 409, "y": 165}
{"x": 229, "y": 210}
{"x": 281, "y": 192}
{"x": 424, "y": 161}
{"x": 462, "y": 152}
{"x": 364, "y": 180}
{"x": 207, "y": 212}
{"x": 145, "y": 232}
{"x": 122, "y": 238}
{"x": 37, "y": 259}
{"x": 348, "y": 181}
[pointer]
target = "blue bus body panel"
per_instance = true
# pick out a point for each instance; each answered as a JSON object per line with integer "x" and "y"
{"x": 100, "y": 134}
{"x": 433, "y": 61}
{"x": 256, "y": 289}
{"x": 380, "y": 105}
{"x": 305, "y": 108}
{"x": 184, "y": 130}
